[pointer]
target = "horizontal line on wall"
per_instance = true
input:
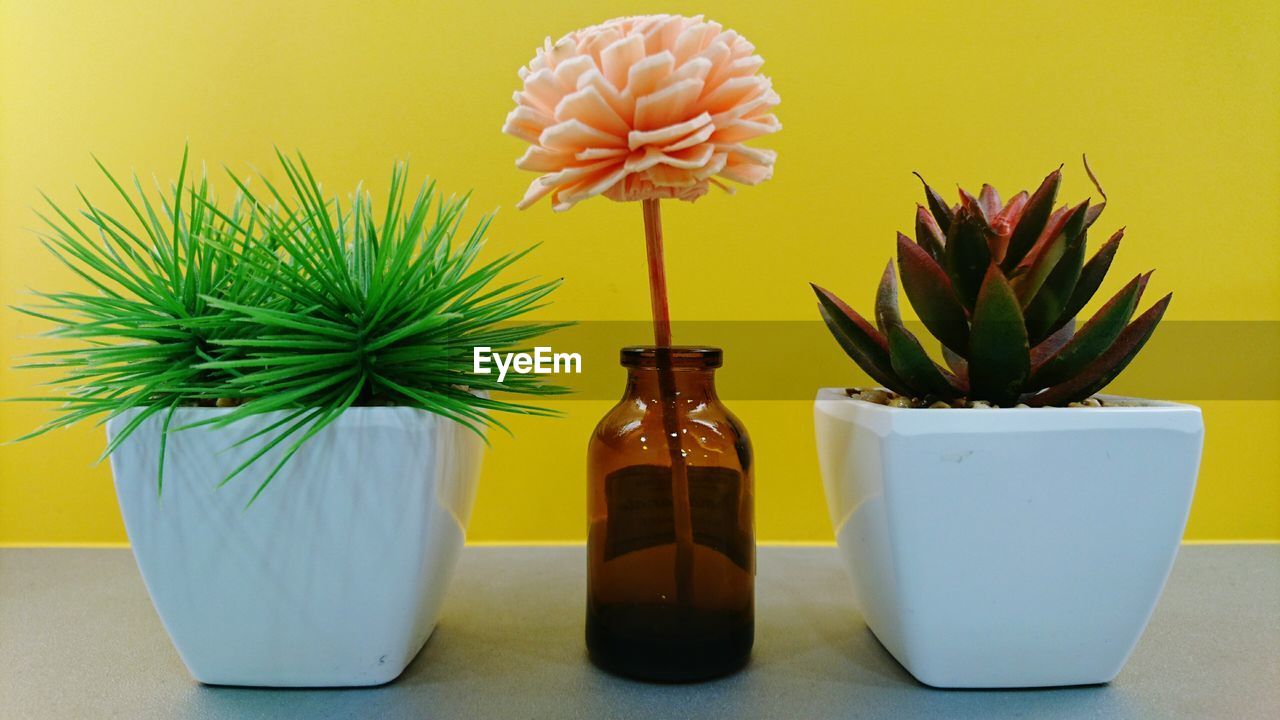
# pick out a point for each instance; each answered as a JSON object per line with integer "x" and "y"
{"x": 581, "y": 543}
{"x": 554, "y": 543}
{"x": 70, "y": 545}
{"x": 1260, "y": 541}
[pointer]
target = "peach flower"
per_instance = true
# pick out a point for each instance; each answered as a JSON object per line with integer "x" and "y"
{"x": 653, "y": 106}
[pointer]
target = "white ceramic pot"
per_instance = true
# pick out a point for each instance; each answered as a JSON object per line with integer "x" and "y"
{"x": 333, "y": 577}
{"x": 1008, "y": 547}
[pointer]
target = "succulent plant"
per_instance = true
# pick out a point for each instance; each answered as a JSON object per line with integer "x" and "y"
{"x": 1000, "y": 290}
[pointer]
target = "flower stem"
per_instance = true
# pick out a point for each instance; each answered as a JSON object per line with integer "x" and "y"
{"x": 681, "y": 510}
{"x": 657, "y": 273}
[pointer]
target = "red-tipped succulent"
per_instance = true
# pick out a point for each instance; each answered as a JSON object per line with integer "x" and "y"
{"x": 1000, "y": 290}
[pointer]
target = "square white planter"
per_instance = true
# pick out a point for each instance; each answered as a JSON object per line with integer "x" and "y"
{"x": 333, "y": 577}
{"x": 1022, "y": 547}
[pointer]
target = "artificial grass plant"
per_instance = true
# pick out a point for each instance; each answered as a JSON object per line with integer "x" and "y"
{"x": 284, "y": 301}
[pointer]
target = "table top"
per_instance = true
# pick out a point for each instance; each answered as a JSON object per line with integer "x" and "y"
{"x": 79, "y": 639}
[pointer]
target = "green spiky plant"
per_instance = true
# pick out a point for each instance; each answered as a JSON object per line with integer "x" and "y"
{"x": 288, "y": 302}
{"x": 1000, "y": 290}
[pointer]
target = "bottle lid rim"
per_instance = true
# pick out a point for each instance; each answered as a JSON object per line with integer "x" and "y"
{"x": 680, "y": 356}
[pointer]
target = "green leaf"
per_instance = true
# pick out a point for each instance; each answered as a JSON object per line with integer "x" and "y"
{"x": 860, "y": 341}
{"x": 913, "y": 365}
{"x": 1049, "y": 251}
{"x": 1046, "y": 348}
{"x": 1049, "y": 302}
{"x": 1099, "y": 373}
{"x": 909, "y": 360}
{"x": 1091, "y": 277}
{"x": 968, "y": 252}
{"x": 931, "y": 294}
{"x": 1032, "y": 221}
{"x": 888, "y": 313}
{"x": 1093, "y": 338}
{"x": 999, "y": 356}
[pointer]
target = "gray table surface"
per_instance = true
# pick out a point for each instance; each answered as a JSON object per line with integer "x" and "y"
{"x": 79, "y": 639}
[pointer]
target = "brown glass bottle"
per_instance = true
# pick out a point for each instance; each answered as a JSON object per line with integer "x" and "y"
{"x": 671, "y": 544}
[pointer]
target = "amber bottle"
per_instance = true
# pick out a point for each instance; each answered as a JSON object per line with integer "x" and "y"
{"x": 671, "y": 544}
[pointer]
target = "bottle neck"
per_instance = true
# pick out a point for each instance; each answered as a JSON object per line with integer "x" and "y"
{"x": 691, "y": 385}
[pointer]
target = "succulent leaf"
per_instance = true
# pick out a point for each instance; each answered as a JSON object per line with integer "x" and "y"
{"x": 860, "y": 341}
{"x": 1048, "y": 253}
{"x": 907, "y": 357}
{"x": 928, "y": 235}
{"x": 1033, "y": 220}
{"x": 1092, "y": 215}
{"x": 1004, "y": 222}
{"x": 933, "y": 297}
{"x": 999, "y": 356}
{"x": 913, "y": 365}
{"x": 1013, "y": 209}
{"x": 888, "y": 313}
{"x": 1103, "y": 370}
{"x": 1051, "y": 230}
{"x": 1052, "y": 344}
{"x": 1091, "y": 278}
{"x": 940, "y": 209}
{"x": 1093, "y": 338}
{"x": 989, "y": 199}
{"x": 968, "y": 253}
{"x": 959, "y": 367}
{"x": 1046, "y": 307}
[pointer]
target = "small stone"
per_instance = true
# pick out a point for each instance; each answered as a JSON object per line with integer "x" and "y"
{"x": 980, "y": 405}
{"x": 226, "y": 402}
{"x": 1091, "y": 402}
{"x": 900, "y": 401}
{"x": 940, "y": 404}
{"x": 1022, "y": 405}
{"x": 1075, "y": 404}
{"x": 877, "y": 396}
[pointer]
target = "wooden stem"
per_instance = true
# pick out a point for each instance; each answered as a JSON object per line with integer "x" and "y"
{"x": 681, "y": 508}
{"x": 657, "y": 273}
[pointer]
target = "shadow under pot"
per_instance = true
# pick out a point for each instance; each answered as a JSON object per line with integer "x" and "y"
{"x": 671, "y": 544}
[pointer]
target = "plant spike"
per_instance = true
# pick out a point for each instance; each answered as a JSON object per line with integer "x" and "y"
{"x": 1000, "y": 292}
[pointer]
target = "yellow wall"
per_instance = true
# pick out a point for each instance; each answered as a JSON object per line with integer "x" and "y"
{"x": 1176, "y": 103}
